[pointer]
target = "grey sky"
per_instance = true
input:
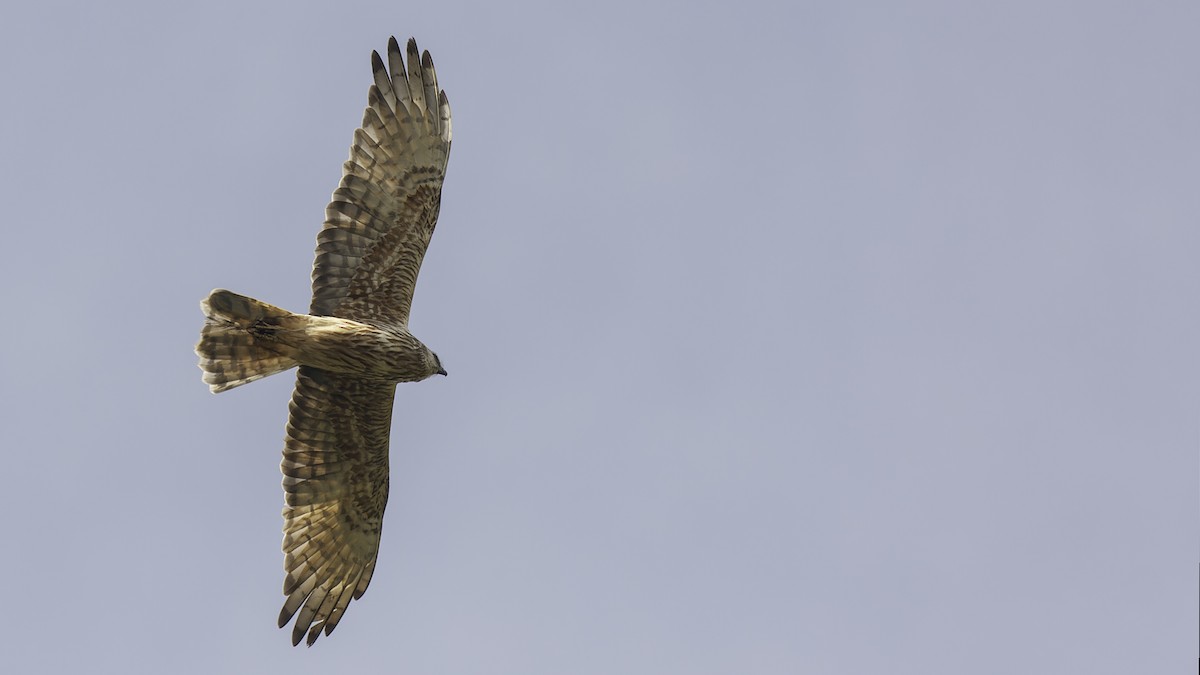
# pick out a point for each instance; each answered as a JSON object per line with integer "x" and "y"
{"x": 783, "y": 337}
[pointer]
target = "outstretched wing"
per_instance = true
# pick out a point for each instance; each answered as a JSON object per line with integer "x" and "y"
{"x": 381, "y": 218}
{"x": 335, "y": 467}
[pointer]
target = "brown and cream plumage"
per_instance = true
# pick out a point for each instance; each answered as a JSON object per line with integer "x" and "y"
{"x": 353, "y": 347}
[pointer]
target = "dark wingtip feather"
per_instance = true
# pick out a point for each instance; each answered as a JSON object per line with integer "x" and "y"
{"x": 297, "y": 635}
{"x": 393, "y": 51}
{"x": 284, "y": 616}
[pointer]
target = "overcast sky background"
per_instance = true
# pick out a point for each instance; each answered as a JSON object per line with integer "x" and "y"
{"x": 835, "y": 337}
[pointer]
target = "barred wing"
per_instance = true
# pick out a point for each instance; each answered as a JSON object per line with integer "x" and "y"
{"x": 335, "y": 467}
{"x": 382, "y": 216}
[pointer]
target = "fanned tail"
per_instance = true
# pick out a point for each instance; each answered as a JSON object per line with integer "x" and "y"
{"x": 242, "y": 340}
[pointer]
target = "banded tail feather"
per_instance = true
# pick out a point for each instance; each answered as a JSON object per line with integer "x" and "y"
{"x": 242, "y": 340}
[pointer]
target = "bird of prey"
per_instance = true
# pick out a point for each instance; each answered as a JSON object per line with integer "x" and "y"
{"x": 353, "y": 346}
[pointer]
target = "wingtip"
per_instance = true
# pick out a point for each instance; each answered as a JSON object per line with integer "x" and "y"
{"x": 393, "y": 50}
{"x": 414, "y": 53}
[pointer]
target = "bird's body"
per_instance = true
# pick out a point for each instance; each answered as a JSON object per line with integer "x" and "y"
{"x": 372, "y": 352}
{"x": 352, "y": 348}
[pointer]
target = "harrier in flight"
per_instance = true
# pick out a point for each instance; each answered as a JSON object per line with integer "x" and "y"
{"x": 352, "y": 347}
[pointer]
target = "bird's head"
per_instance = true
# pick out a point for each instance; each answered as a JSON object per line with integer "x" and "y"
{"x": 436, "y": 364}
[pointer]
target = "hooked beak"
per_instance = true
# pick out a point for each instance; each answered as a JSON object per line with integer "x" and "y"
{"x": 441, "y": 371}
